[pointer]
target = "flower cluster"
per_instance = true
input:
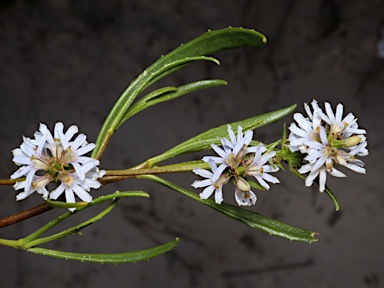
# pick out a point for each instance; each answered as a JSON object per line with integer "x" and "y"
{"x": 329, "y": 141}
{"x": 236, "y": 161}
{"x": 46, "y": 159}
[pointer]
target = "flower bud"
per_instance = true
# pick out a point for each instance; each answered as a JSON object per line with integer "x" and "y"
{"x": 243, "y": 185}
{"x": 352, "y": 141}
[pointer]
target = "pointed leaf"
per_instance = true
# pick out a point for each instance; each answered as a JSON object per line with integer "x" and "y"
{"x": 30, "y": 240}
{"x": 208, "y": 43}
{"x": 333, "y": 197}
{"x": 115, "y": 258}
{"x": 252, "y": 219}
{"x": 169, "y": 93}
{"x": 213, "y": 136}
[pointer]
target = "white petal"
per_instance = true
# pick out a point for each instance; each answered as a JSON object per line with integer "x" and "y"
{"x": 303, "y": 123}
{"x": 311, "y": 177}
{"x": 57, "y": 192}
{"x": 339, "y": 112}
{"x": 231, "y": 134}
{"x": 245, "y": 198}
{"x": 323, "y": 135}
{"x": 21, "y": 160}
{"x": 71, "y": 131}
{"x": 27, "y": 149}
{"x": 319, "y": 163}
{"x": 70, "y": 197}
{"x": 270, "y": 168}
{"x": 219, "y": 151}
{"x": 218, "y": 172}
{"x": 207, "y": 192}
{"x": 202, "y": 183}
{"x": 59, "y": 134}
{"x": 248, "y": 137}
{"x": 355, "y": 168}
{"x": 19, "y": 185}
{"x": 308, "y": 111}
{"x": 24, "y": 194}
{"x": 203, "y": 173}
{"x": 42, "y": 145}
{"x": 85, "y": 149}
{"x": 82, "y": 194}
{"x": 297, "y": 131}
{"x": 79, "y": 141}
{"x": 44, "y": 130}
{"x": 336, "y": 173}
{"x": 329, "y": 111}
{"x": 213, "y": 158}
{"x": 239, "y": 145}
{"x": 305, "y": 168}
{"x": 89, "y": 183}
{"x": 322, "y": 179}
{"x": 270, "y": 178}
{"x": 79, "y": 170}
{"x": 262, "y": 182}
{"x": 264, "y": 159}
{"x": 219, "y": 196}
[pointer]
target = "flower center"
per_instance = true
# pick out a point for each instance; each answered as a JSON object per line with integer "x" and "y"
{"x": 54, "y": 162}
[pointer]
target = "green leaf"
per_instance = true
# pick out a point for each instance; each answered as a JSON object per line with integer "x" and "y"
{"x": 333, "y": 197}
{"x": 169, "y": 93}
{"x": 115, "y": 258}
{"x": 255, "y": 185}
{"x": 74, "y": 229}
{"x": 31, "y": 240}
{"x": 213, "y": 136}
{"x": 195, "y": 50}
{"x": 250, "y": 218}
{"x": 60, "y": 204}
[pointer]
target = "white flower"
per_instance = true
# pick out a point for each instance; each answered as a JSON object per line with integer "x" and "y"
{"x": 233, "y": 150}
{"x": 343, "y": 128}
{"x": 71, "y": 184}
{"x": 322, "y": 158}
{"x": 237, "y": 160}
{"x": 57, "y": 158}
{"x": 320, "y": 162}
{"x": 329, "y": 140}
{"x": 306, "y": 129}
{"x": 256, "y": 166}
{"x": 212, "y": 183}
{"x": 245, "y": 198}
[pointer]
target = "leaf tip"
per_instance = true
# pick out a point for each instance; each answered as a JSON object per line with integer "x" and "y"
{"x": 313, "y": 234}
{"x": 264, "y": 39}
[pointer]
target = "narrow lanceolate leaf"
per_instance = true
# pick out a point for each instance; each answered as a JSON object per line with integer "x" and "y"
{"x": 31, "y": 240}
{"x": 169, "y": 93}
{"x": 252, "y": 219}
{"x": 213, "y": 136}
{"x": 195, "y": 50}
{"x": 115, "y": 258}
{"x": 66, "y": 205}
{"x": 333, "y": 197}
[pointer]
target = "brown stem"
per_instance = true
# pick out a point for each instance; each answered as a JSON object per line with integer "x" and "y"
{"x": 18, "y": 217}
{"x": 40, "y": 209}
{"x": 111, "y": 176}
{"x": 110, "y": 179}
{"x": 104, "y": 145}
{"x": 8, "y": 181}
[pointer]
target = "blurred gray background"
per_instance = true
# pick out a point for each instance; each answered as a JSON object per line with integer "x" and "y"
{"x": 70, "y": 60}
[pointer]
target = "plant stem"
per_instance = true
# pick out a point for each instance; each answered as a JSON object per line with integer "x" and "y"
{"x": 8, "y": 181}
{"x": 18, "y": 217}
{"x": 110, "y": 177}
